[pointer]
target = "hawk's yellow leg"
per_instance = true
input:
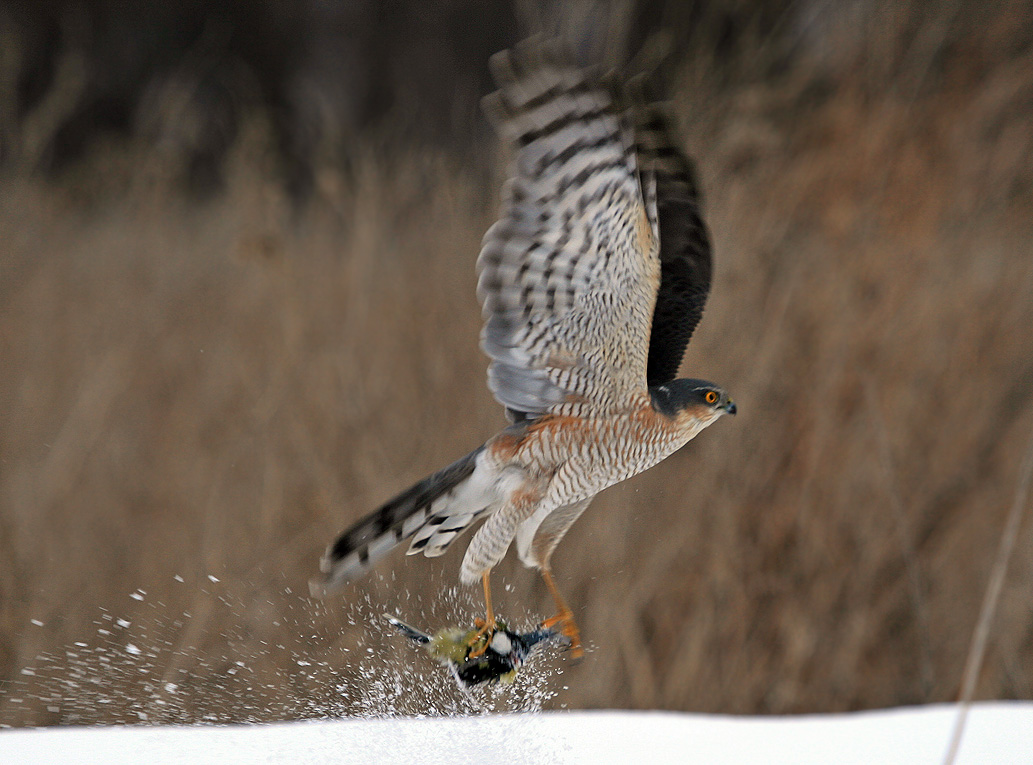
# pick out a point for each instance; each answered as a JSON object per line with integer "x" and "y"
{"x": 564, "y": 616}
{"x": 489, "y": 619}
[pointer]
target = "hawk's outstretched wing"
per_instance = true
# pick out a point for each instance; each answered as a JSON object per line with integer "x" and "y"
{"x": 684, "y": 244}
{"x": 569, "y": 274}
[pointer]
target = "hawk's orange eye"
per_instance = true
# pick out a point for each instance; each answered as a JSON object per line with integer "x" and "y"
{"x": 710, "y": 397}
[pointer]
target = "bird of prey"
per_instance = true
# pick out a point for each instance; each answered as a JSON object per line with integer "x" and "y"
{"x": 591, "y": 283}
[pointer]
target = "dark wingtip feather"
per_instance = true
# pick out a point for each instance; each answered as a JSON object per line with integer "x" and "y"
{"x": 685, "y": 254}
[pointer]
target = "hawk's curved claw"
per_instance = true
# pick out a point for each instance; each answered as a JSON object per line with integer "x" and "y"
{"x": 484, "y": 633}
{"x": 569, "y": 629}
{"x": 563, "y": 617}
{"x": 486, "y": 626}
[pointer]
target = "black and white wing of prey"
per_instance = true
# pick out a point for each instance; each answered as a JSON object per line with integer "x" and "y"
{"x": 685, "y": 259}
{"x": 568, "y": 277}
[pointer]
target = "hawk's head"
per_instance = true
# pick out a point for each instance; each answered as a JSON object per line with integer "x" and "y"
{"x": 696, "y": 401}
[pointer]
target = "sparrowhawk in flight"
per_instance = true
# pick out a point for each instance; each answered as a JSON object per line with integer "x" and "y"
{"x": 591, "y": 283}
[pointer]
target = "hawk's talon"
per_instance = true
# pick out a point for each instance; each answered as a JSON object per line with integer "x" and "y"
{"x": 486, "y": 626}
{"x": 564, "y": 616}
{"x": 569, "y": 629}
{"x": 483, "y": 634}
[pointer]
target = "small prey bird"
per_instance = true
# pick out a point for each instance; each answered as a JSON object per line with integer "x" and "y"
{"x": 591, "y": 282}
{"x": 475, "y": 656}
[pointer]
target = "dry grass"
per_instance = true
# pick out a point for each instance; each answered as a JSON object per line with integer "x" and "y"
{"x": 218, "y": 391}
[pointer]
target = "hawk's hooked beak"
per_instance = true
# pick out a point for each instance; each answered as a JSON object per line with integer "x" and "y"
{"x": 730, "y": 407}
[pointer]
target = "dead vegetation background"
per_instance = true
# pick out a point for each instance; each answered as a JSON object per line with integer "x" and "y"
{"x": 194, "y": 388}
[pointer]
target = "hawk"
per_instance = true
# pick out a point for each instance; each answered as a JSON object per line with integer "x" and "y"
{"x": 591, "y": 283}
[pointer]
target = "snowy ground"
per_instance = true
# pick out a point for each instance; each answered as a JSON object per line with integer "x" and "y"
{"x": 997, "y": 733}
{"x": 129, "y": 667}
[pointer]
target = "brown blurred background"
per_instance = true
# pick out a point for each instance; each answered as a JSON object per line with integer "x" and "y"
{"x": 237, "y": 312}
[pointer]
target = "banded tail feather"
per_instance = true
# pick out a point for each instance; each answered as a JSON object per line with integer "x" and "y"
{"x": 436, "y": 510}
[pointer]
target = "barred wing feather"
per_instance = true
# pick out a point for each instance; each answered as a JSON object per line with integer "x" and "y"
{"x": 568, "y": 276}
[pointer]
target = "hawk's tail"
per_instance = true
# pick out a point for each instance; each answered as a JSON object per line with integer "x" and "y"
{"x": 436, "y": 510}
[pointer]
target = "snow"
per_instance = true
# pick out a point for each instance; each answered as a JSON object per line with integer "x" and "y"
{"x": 996, "y": 733}
{"x": 124, "y": 673}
